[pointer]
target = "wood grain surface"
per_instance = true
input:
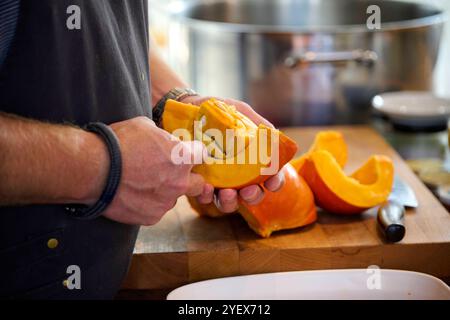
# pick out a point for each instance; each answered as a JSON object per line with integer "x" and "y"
{"x": 184, "y": 248}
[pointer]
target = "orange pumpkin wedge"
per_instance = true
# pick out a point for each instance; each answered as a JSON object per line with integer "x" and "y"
{"x": 336, "y": 192}
{"x": 229, "y": 164}
{"x": 291, "y": 207}
{"x": 331, "y": 141}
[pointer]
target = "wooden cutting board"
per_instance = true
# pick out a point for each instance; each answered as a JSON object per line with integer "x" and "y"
{"x": 184, "y": 248}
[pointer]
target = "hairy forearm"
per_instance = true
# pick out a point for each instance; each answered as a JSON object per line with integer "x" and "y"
{"x": 163, "y": 78}
{"x": 44, "y": 163}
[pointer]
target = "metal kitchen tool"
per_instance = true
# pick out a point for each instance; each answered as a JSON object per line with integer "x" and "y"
{"x": 391, "y": 214}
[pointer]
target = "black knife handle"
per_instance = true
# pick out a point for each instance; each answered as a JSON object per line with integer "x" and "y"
{"x": 391, "y": 217}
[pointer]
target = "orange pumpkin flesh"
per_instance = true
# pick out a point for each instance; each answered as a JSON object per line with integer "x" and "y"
{"x": 335, "y": 192}
{"x": 332, "y": 141}
{"x": 233, "y": 172}
{"x": 179, "y": 115}
{"x": 291, "y": 207}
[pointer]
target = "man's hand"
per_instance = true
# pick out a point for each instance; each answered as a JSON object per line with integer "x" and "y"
{"x": 151, "y": 183}
{"x": 43, "y": 163}
{"x": 227, "y": 200}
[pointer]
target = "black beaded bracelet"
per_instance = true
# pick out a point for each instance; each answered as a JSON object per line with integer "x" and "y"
{"x": 113, "y": 181}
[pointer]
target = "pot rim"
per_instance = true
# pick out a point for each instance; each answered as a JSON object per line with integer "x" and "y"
{"x": 174, "y": 10}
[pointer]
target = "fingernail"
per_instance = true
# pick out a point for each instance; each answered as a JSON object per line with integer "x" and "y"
{"x": 227, "y": 195}
{"x": 224, "y": 201}
{"x": 208, "y": 189}
{"x": 273, "y": 184}
{"x": 249, "y": 193}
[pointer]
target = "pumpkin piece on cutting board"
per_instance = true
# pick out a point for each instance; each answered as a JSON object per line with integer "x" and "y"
{"x": 336, "y": 192}
{"x": 228, "y": 164}
{"x": 291, "y": 207}
{"x": 332, "y": 141}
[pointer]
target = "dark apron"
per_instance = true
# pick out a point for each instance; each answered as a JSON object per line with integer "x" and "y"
{"x": 98, "y": 73}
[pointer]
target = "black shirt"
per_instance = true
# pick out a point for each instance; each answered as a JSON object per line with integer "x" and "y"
{"x": 9, "y": 11}
{"x": 54, "y": 73}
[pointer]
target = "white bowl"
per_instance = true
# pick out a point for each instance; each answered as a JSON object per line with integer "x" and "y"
{"x": 352, "y": 284}
{"x": 413, "y": 108}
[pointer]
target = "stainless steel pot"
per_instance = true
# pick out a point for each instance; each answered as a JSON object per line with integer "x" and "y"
{"x": 303, "y": 62}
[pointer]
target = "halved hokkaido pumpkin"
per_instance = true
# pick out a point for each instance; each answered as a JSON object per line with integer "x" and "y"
{"x": 336, "y": 192}
{"x": 331, "y": 141}
{"x": 229, "y": 163}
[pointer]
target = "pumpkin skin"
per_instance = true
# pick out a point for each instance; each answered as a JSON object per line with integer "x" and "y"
{"x": 231, "y": 173}
{"x": 336, "y": 192}
{"x": 332, "y": 141}
{"x": 291, "y": 207}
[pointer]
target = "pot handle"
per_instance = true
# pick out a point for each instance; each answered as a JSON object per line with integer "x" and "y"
{"x": 364, "y": 57}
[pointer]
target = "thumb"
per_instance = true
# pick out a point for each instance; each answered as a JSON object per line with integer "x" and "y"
{"x": 196, "y": 185}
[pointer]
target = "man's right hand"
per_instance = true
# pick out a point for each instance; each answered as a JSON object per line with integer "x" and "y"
{"x": 151, "y": 183}
{"x": 43, "y": 163}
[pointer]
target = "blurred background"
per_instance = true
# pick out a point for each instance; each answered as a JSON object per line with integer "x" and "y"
{"x": 159, "y": 23}
{"x": 305, "y": 62}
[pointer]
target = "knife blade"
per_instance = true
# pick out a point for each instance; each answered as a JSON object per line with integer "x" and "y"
{"x": 391, "y": 214}
{"x": 403, "y": 194}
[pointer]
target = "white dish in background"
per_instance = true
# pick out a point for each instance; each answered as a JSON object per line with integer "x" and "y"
{"x": 351, "y": 284}
{"x": 413, "y": 108}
